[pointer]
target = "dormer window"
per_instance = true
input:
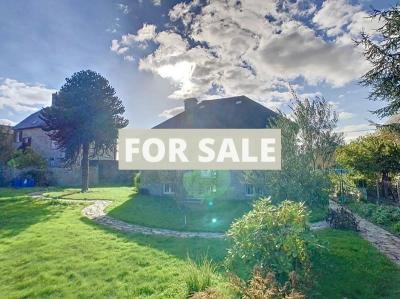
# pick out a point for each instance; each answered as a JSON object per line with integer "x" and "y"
{"x": 238, "y": 102}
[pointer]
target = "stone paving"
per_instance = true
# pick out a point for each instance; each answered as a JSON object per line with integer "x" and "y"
{"x": 386, "y": 242}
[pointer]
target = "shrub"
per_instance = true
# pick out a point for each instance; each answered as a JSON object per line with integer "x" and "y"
{"x": 199, "y": 277}
{"x": 275, "y": 238}
{"x": 136, "y": 181}
{"x": 396, "y": 228}
{"x": 208, "y": 294}
{"x": 262, "y": 286}
{"x": 26, "y": 158}
{"x": 342, "y": 219}
{"x": 41, "y": 177}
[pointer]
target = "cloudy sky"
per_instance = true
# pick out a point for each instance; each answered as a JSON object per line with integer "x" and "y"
{"x": 158, "y": 52}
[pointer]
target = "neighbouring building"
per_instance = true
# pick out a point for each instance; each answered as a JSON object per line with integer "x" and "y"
{"x": 228, "y": 113}
{"x": 104, "y": 169}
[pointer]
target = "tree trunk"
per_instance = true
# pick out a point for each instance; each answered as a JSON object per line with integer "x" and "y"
{"x": 385, "y": 184}
{"x": 85, "y": 167}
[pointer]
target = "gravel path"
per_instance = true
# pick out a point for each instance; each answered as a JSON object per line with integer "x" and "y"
{"x": 386, "y": 242}
{"x": 96, "y": 212}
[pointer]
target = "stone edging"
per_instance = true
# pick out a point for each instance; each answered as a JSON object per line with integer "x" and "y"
{"x": 96, "y": 212}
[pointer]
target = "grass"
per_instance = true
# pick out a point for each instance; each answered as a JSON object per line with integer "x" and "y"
{"x": 48, "y": 250}
{"x": 166, "y": 212}
{"x": 352, "y": 268}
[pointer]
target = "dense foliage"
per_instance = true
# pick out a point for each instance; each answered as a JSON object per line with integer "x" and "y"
{"x": 276, "y": 238}
{"x": 308, "y": 146}
{"x": 6, "y": 148}
{"x": 384, "y": 215}
{"x": 265, "y": 286}
{"x": 27, "y": 158}
{"x": 373, "y": 155}
{"x": 382, "y": 52}
{"x": 85, "y": 118}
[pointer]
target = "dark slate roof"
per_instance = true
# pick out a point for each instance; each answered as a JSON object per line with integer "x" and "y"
{"x": 236, "y": 113}
{"x": 32, "y": 121}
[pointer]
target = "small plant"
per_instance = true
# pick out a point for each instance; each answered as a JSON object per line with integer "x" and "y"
{"x": 396, "y": 228}
{"x": 136, "y": 181}
{"x": 262, "y": 286}
{"x": 199, "y": 277}
{"x": 342, "y": 219}
{"x": 276, "y": 238}
{"x": 209, "y": 293}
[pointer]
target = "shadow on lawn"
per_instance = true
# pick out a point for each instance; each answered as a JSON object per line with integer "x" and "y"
{"x": 19, "y": 213}
{"x": 195, "y": 248}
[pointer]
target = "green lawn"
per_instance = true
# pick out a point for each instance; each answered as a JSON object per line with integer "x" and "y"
{"x": 165, "y": 212}
{"x": 48, "y": 250}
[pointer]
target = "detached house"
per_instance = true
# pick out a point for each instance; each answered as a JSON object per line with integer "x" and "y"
{"x": 29, "y": 133}
{"x": 227, "y": 113}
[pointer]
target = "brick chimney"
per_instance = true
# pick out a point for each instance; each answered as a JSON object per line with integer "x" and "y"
{"x": 190, "y": 104}
{"x": 54, "y": 98}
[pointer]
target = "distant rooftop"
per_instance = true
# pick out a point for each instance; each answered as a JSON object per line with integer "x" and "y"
{"x": 235, "y": 113}
{"x": 32, "y": 121}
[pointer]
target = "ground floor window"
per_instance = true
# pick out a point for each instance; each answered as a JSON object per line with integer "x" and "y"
{"x": 169, "y": 188}
{"x": 249, "y": 190}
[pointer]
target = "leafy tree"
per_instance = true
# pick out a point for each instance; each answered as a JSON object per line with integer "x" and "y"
{"x": 85, "y": 118}
{"x": 275, "y": 238}
{"x": 27, "y": 158}
{"x": 376, "y": 154}
{"x": 6, "y": 148}
{"x": 308, "y": 146}
{"x": 316, "y": 121}
{"x": 382, "y": 50}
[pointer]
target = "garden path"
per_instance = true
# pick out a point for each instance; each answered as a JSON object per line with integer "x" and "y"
{"x": 386, "y": 242}
{"x": 96, "y": 212}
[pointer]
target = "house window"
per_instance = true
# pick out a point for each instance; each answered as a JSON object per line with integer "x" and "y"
{"x": 169, "y": 188}
{"x": 249, "y": 190}
{"x": 213, "y": 188}
{"x": 26, "y": 141}
{"x": 18, "y": 136}
{"x": 208, "y": 173}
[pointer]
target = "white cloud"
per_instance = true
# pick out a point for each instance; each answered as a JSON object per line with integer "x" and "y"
{"x": 338, "y": 17}
{"x": 124, "y": 8}
{"x": 352, "y": 132}
{"x": 19, "y": 96}
{"x": 171, "y": 112}
{"x": 7, "y": 122}
{"x": 233, "y": 48}
{"x": 129, "y": 58}
{"x": 343, "y": 115}
{"x": 144, "y": 34}
{"x": 156, "y": 2}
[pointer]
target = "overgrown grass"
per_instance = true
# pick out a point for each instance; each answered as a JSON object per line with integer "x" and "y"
{"x": 199, "y": 276}
{"x": 48, "y": 250}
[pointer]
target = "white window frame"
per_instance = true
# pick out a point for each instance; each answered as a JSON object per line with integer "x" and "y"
{"x": 251, "y": 188}
{"x": 168, "y": 188}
